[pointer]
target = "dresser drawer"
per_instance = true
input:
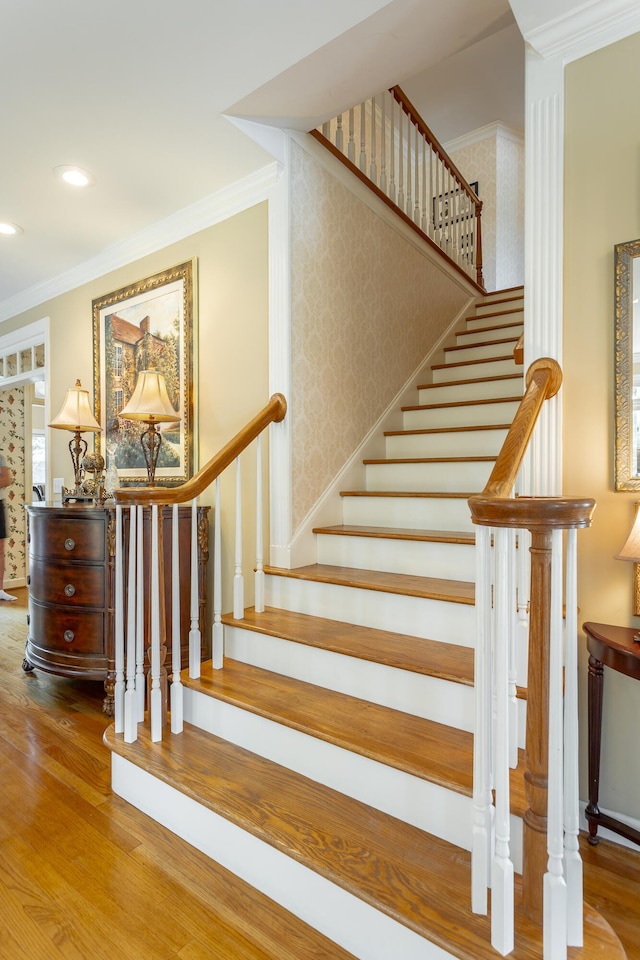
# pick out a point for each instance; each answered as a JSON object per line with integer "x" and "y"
{"x": 70, "y": 584}
{"x": 68, "y": 538}
{"x": 67, "y": 630}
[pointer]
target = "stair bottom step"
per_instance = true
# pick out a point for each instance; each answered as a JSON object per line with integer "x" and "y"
{"x": 370, "y": 882}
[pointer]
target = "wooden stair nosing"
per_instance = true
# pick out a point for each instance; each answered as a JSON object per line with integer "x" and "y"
{"x": 460, "y": 403}
{"x": 413, "y": 877}
{"x": 482, "y": 343}
{"x": 399, "y": 460}
{"x": 421, "y": 748}
{"x": 497, "y": 326}
{"x": 427, "y": 588}
{"x": 424, "y": 494}
{"x": 471, "y": 363}
{"x": 472, "y": 428}
{"x": 458, "y": 383}
{"x": 497, "y": 313}
{"x": 431, "y": 658}
{"x": 397, "y": 533}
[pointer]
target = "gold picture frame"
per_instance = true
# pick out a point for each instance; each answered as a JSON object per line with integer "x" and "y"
{"x": 627, "y": 370}
{"x": 152, "y": 322}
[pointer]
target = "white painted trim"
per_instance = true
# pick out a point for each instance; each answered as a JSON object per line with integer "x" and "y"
{"x": 345, "y": 919}
{"x": 489, "y": 132}
{"x": 198, "y": 216}
{"x": 584, "y": 30}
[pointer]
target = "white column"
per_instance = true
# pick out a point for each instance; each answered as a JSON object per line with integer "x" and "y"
{"x": 544, "y": 194}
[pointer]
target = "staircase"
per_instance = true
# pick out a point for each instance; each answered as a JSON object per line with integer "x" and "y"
{"x": 329, "y": 763}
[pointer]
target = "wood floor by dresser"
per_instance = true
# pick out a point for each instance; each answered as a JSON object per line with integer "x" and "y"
{"x": 84, "y": 875}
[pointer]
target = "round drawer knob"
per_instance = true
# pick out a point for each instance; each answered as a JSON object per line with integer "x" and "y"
{"x": 68, "y": 635}
{"x": 69, "y": 590}
{"x": 69, "y": 544}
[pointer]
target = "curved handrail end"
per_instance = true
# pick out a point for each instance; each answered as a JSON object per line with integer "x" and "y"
{"x": 552, "y": 375}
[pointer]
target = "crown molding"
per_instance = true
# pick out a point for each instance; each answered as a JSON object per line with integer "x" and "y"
{"x": 587, "y": 28}
{"x": 184, "y": 223}
{"x": 489, "y": 132}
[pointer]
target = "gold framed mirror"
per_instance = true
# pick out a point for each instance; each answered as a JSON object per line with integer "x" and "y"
{"x": 627, "y": 364}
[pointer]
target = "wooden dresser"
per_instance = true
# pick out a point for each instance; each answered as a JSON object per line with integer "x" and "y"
{"x": 72, "y": 588}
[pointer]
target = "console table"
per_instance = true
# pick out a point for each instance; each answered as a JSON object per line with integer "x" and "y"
{"x": 72, "y": 588}
{"x": 616, "y": 648}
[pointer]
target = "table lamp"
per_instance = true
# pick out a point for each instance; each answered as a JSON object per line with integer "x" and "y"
{"x": 76, "y": 415}
{"x": 150, "y": 404}
{"x": 631, "y": 551}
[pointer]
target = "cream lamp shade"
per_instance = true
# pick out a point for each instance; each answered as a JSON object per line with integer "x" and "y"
{"x": 150, "y": 404}
{"x": 631, "y": 551}
{"x": 76, "y": 415}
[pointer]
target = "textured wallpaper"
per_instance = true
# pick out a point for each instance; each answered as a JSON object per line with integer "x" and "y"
{"x": 12, "y": 448}
{"x": 366, "y": 307}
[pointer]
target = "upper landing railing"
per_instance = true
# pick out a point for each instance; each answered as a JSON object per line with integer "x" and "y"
{"x": 387, "y": 144}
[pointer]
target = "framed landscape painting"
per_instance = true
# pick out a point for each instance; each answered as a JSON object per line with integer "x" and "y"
{"x": 151, "y": 324}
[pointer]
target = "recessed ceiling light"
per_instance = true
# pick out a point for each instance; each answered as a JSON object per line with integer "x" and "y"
{"x": 9, "y": 229}
{"x": 74, "y": 175}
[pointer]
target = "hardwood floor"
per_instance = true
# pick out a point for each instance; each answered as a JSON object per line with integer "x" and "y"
{"x": 84, "y": 875}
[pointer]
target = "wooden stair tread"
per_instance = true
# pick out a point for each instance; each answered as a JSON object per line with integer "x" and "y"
{"x": 497, "y": 326}
{"x": 458, "y": 383}
{"x": 419, "y": 880}
{"x": 461, "y": 403}
{"x": 408, "y": 493}
{"x": 398, "y": 533}
{"x": 453, "y": 591}
{"x": 422, "y": 748}
{"x": 479, "y": 459}
{"x": 447, "y": 661}
{"x": 481, "y": 427}
{"x": 498, "y": 313}
{"x": 470, "y": 363}
{"x": 482, "y": 343}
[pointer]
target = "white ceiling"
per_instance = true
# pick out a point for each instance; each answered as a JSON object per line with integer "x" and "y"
{"x": 136, "y": 93}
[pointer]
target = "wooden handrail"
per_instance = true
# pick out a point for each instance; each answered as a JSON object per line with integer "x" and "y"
{"x": 518, "y": 350}
{"x": 273, "y": 412}
{"x": 543, "y": 381}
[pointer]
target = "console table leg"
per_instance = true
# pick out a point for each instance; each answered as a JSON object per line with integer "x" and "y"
{"x": 594, "y": 699}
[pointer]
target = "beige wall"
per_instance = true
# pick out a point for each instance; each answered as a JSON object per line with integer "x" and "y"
{"x": 366, "y": 308}
{"x": 602, "y": 208}
{"x": 232, "y": 345}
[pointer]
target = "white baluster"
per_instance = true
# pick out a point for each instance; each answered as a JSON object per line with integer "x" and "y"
{"x": 572, "y": 858}
{"x": 502, "y": 898}
{"x": 351, "y": 145}
{"x": 195, "y": 637}
{"x": 140, "y": 640}
{"x": 217, "y": 636}
{"x": 259, "y": 579}
{"x": 424, "y": 222}
{"x": 363, "y": 136}
{"x": 555, "y": 888}
{"x": 339, "y": 134}
{"x": 373, "y": 166}
{"x": 155, "y": 698}
{"x": 524, "y": 580}
{"x": 408, "y": 208}
{"x": 177, "y": 708}
{"x": 118, "y": 689}
{"x": 326, "y": 130}
{"x": 434, "y": 192}
{"x": 482, "y": 806}
{"x": 392, "y": 152}
{"x": 238, "y": 580}
{"x": 130, "y": 704}
{"x": 512, "y": 652}
{"x": 416, "y": 164}
{"x": 383, "y": 145}
{"x": 400, "y": 201}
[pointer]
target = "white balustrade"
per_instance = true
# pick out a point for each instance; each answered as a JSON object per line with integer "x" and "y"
{"x": 177, "y": 709}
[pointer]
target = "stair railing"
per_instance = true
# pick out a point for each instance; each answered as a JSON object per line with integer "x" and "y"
{"x": 140, "y": 590}
{"x": 551, "y": 868}
{"x": 387, "y": 144}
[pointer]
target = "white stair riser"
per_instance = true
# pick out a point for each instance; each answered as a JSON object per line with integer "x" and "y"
{"x": 487, "y": 368}
{"x": 417, "y": 616}
{"x": 348, "y": 921}
{"x": 479, "y": 351}
{"x": 428, "y": 513}
{"x": 464, "y": 477}
{"x": 493, "y": 304}
{"x": 511, "y": 332}
{"x": 459, "y": 443}
{"x": 448, "y": 561}
{"x": 466, "y": 415}
{"x": 474, "y": 389}
{"x": 429, "y": 697}
{"x": 502, "y": 320}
